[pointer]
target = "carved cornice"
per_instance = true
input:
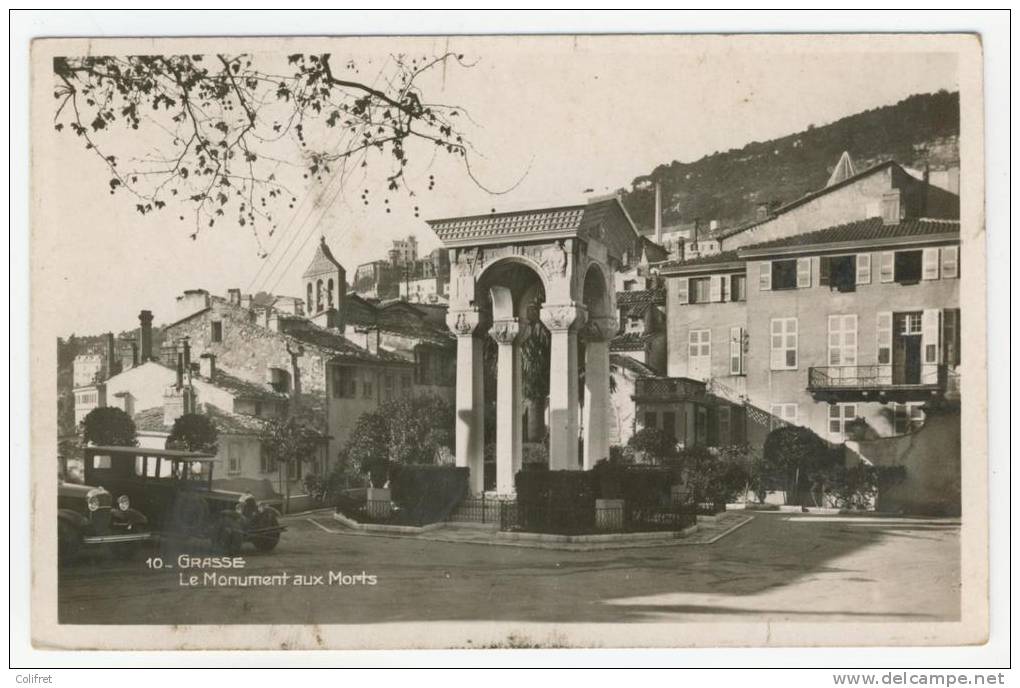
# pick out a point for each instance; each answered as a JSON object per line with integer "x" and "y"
{"x": 562, "y": 317}
{"x": 463, "y": 323}
{"x": 505, "y": 331}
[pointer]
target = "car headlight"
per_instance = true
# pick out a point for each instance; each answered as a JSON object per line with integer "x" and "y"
{"x": 92, "y": 499}
{"x": 242, "y": 501}
{"x": 123, "y": 503}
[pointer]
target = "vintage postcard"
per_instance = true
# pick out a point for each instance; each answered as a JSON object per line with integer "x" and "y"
{"x": 508, "y": 342}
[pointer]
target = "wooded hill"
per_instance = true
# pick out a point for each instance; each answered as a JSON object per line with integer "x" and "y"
{"x": 729, "y": 186}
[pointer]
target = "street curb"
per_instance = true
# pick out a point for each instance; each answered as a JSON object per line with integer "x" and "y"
{"x": 590, "y": 546}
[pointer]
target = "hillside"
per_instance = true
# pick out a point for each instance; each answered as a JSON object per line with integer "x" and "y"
{"x": 922, "y": 129}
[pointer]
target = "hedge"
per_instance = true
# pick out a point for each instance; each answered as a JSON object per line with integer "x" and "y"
{"x": 426, "y": 493}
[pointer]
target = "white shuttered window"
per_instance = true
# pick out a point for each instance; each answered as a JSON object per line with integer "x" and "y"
{"x": 930, "y": 264}
{"x": 765, "y": 276}
{"x": 783, "y": 344}
{"x": 863, "y": 268}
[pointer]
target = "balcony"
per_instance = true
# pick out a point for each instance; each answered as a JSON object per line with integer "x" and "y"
{"x": 882, "y": 383}
{"x": 667, "y": 389}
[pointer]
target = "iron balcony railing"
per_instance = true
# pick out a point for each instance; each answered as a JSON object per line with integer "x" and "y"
{"x": 822, "y": 378}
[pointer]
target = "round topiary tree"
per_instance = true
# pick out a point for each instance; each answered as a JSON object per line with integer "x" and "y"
{"x": 109, "y": 426}
{"x": 193, "y": 432}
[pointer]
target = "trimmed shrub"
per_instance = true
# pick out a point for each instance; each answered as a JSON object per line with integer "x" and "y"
{"x": 193, "y": 432}
{"x": 426, "y": 493}
{"x": 109, "y": 426}
{"x": 653, "y": 445}
{"x": 556, "y": 501}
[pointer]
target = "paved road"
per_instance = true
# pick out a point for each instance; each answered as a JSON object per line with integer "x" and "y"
{"x": 779, "y": 567}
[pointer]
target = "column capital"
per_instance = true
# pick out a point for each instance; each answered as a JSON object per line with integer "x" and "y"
{"x": 600, "y": 329}
{"x": 561, "y": 317}
{"x": 506, "y": 331}
{"x": 464, "y": 323}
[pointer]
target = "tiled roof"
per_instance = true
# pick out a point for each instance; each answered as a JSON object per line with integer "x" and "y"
{"x": 635, "y": 303}
{"x": 631, "y": 364}
{"x": 711, "y": 259}
{"x": 342, "y": 348}
{"x": 631, "y": 341}
{"x": 227, "y": 422}
{"x": 244, "y": 389}
{"x": 537, "y": 221}
{"x": 862, "y": 230}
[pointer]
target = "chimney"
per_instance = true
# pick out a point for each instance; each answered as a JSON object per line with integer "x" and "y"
{"x": 177, "y": 401}
{"x": 111, "y": 354}
{"x": 891, "y": 207}
{"x": 658, "y": 213}
{"x": 207, "y": 366}
{"x": 245, "y": 301}
{"x": 713, "y": 225}
{"x": 186, "y": 357}
{"x": 234, "y": 297}
{"x": 180, "y": 370}
{"x": 372, "y": 341}
{"x": 694, "y": 241}
{"x": 145, "y": 336}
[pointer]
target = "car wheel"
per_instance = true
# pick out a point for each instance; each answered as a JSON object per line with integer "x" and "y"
{"x": 268, "y": 542}
{"x": 68, "y": 542}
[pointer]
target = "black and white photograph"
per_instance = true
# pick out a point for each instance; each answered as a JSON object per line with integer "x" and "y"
{"x": 508, "y": 342}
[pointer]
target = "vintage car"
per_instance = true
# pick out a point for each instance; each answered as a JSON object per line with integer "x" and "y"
{"x": 90, "y": 517}
{"x": 173, "y": 488}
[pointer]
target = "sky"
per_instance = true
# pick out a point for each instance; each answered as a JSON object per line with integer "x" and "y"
{"x": 549, "y": 117}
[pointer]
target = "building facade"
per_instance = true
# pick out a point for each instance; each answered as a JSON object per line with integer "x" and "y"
{"x": 852, "y": 331}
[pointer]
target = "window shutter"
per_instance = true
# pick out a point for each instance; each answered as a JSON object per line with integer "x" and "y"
{"x": 886, "y": 270}
{"x": 765, "y": 276}
{"x": 824, "y": 270}
{"x": 930, "y": 264}
{"x": 776, "y": 345}
{"x": 950, "y": 262}
{"x": 736, "y": 350}
{"x": 863, "y": 268}
{"x": 803, "y": 273}
{"x": 715, "y": 288}
{"x": 835, "y": 340}
{"x": 884, "y": 341}
{"x": 931, "y": 325}
{"x": 682, "y": 286}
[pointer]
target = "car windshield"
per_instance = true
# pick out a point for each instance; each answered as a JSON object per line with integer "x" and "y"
{"x": 192, "y": 471}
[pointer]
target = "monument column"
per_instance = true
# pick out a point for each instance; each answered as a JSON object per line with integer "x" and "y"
{"x": 509, "y": 453}
{"x": 561, "y": 321}
{"x": 596, "y": 390}
{"x": 470, "y": 405}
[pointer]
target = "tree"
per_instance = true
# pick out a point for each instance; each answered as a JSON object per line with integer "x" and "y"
{"x": 412, "y": 430}
{"x": 289, "y": 442}
{"x": 220, "y": 127}
{"x": 369, "y": 446}
{"x": 193, "y": 432}
{"x": 109, "y": 426}
{"x": 792, "y": 453}
{"x": 654, "y": 444}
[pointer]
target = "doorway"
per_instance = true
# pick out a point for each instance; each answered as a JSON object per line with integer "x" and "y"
{"x": 907, "y": 348}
